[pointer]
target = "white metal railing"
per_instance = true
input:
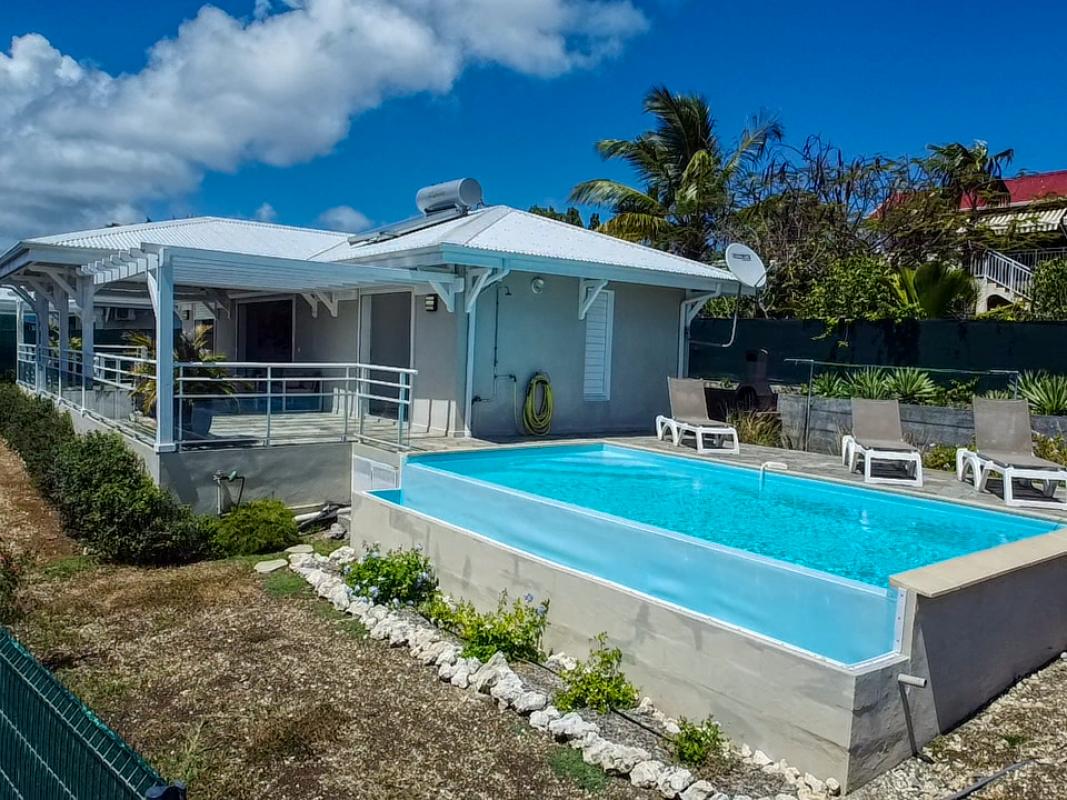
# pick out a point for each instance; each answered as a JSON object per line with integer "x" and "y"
{"x": 108, "y": 391}
{"x": 1004, "y": 271}
{"x": 1031, "y": 258}
{"x": 228, "y": 402}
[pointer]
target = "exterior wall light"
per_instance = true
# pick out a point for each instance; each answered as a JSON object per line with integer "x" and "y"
{"x": 537, "y": 285}
{"x": 430, "y": 302}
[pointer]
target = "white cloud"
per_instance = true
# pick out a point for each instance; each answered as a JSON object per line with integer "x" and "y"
{"x": 81, "y": 147}
{"x": 343, "y": 218}
{"x": 266, "y": 213}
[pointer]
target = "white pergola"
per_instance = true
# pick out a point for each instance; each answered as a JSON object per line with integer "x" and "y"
{"x": 62, "y": 277}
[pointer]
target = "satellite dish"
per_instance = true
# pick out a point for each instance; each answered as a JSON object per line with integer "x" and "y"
{"x": 746, "y": 266}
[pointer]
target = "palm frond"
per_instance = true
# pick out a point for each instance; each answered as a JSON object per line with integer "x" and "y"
{"x": 635, "y": 227}
{"x": 612, "y": 194}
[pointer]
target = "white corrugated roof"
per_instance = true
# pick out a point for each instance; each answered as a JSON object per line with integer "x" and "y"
{"x": 205, "y": 233}
{"x": 500, "y": 229}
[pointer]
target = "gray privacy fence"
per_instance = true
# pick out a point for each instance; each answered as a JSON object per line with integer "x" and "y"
{"x": 965, "y": 345}
{"x": 52, "y": 747}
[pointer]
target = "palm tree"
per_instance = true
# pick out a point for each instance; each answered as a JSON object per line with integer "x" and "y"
{"x": 969, "y": 175}
{"x": 688, "y": 178}
{"x": 938, "y": 289}
{"x": 186, "y": 348}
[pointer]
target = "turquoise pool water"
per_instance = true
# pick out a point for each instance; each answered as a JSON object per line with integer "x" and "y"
{"x": 803, "y": 562}
{"x": 856, "y": 533}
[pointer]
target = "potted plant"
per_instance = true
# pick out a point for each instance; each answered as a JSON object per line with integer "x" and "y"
{"x": 195, "y": 415}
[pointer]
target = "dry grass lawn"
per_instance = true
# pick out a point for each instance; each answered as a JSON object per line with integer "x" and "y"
{"x": 248, "y": 687}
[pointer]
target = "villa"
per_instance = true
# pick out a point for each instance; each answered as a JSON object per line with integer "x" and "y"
{"x": 334, "y": 342}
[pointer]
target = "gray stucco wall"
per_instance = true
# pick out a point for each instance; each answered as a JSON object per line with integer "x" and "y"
{"x": 325, "y": 337}
{"x": 300, "y": 475}
{"x": 542, "y": 332}
{"x": 439, "y": 354}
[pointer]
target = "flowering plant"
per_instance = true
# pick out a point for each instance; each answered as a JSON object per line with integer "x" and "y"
{"x": 397, "y": 577}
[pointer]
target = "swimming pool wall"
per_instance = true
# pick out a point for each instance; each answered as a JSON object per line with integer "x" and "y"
{"x": 971, "y": 626}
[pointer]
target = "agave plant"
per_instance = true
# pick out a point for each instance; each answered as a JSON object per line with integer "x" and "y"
{"x": 998, "y": 394}
{"x": 870, "y": 383}
{"x": 1046, "y": 394}
{"x": 829, "y": 384}
{"x": 186, "y": 348}
{"x": 911, "y": 385}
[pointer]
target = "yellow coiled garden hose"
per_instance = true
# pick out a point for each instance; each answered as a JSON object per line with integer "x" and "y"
{"x": 537, "y": 414}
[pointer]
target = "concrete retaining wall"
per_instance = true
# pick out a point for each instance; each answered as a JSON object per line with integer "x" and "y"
{"x": 300, "y": 475}
{"x": 830, "y": 418}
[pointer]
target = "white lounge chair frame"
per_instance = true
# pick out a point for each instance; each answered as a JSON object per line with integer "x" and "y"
{"x": 885, "y": 425}
{"x": 982, "y": 469}
{"x": 690, "y": 416}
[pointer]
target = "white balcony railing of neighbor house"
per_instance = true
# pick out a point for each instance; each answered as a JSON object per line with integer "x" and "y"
{"x": 1004, "y": 271}
{"x": 230, "y": 403}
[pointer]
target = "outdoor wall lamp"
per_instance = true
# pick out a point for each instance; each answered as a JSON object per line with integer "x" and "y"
{"x": 430, "y": 302}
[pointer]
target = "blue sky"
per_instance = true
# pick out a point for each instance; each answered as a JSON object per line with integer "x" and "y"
{"x": 886, "y": 78}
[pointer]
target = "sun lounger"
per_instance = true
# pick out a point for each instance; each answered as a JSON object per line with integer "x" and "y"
{"x": 1005, "y": 446}
{"x": 689, "y": 415}
{"x": 876, "y": 436}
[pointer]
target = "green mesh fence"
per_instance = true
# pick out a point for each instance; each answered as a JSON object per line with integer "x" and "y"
{"x": 52, "y": 747}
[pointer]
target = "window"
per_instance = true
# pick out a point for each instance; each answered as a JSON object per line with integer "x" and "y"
{"x": 598, "y": 325}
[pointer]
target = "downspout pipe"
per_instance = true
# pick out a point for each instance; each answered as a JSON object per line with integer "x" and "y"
{"x": 468, "y": 392}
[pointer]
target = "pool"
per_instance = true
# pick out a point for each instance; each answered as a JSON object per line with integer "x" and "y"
{"x": 798, "y": 560}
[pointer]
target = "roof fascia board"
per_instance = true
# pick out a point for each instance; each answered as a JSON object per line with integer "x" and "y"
{"x": 582, "y": 269}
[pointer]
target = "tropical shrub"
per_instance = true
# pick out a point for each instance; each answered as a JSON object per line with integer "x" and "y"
{"x": 259, "y": 526}
{"x": 1048, "y": 291}
{"x": 1009, "y": 312}
{"x": 1054, "y": 448}
{"x": 109, "y": 503}
{"x": 697, "y": 744}
{"x": 35, "y": 430}
{"x": 998, "y": 394}
{"x": 830, "y": 384}
{"x": 958, "y": 394}
{"x": 104, "y": 496}
{"x": 861, "y": 287}
{"x": 939, "y": 456}
{"x": 1046, "y": 394}
{"x": 10, "y": 579}
{"x": 869, "y": 383}
{"x": 598, "y": 682}
{"x": 399, "y": 576}
{"x": 757, "y": 427}
{"x": 911, "y": 385}
{"x": 514, "y": 629}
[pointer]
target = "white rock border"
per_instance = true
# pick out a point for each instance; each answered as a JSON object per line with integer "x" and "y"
{"x": 432, "y": 647}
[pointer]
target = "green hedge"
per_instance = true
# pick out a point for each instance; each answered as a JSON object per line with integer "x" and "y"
{"x": 106, "y": 499}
